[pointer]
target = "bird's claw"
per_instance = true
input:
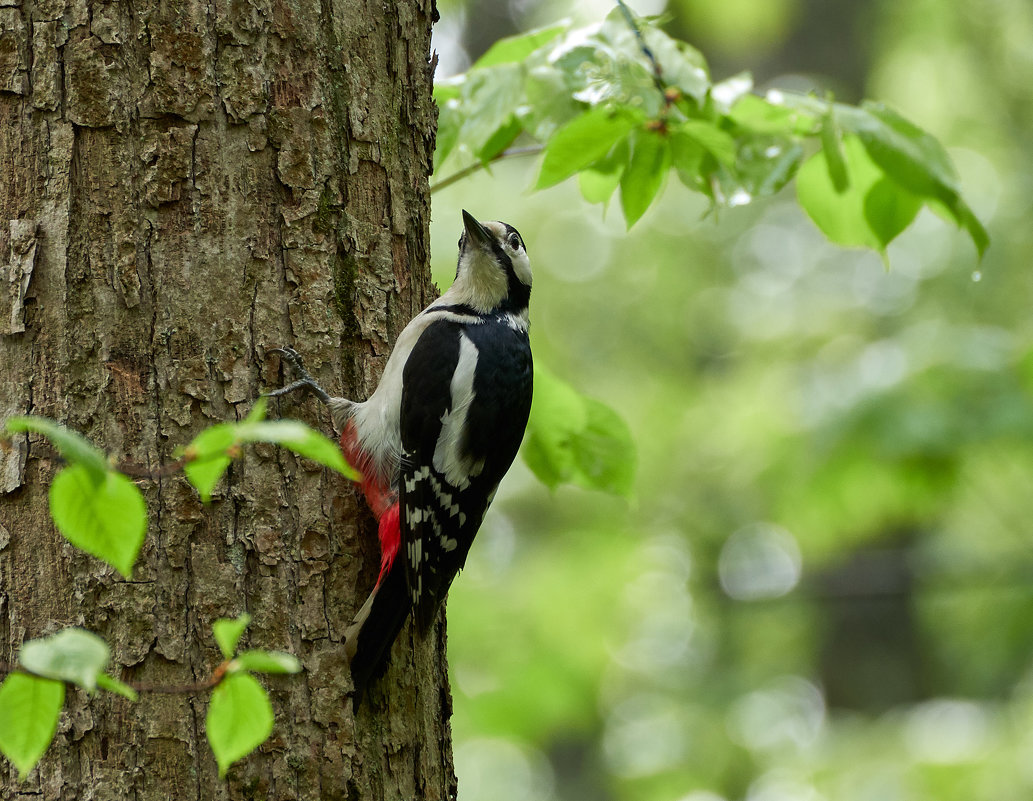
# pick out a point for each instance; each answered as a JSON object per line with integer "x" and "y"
{"x": 306, "y": 381}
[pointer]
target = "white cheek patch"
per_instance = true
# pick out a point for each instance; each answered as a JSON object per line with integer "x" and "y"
{"x": 522, "y": 267}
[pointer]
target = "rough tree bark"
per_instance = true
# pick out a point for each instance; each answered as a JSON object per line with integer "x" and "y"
{"x": 182, "y": 187}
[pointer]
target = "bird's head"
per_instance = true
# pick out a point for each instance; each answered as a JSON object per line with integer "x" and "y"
{"x": 493, "y": 273}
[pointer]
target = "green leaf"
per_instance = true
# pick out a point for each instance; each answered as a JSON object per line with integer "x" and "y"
{"x": 450, "y": 119}
{"x": 764, "y": 165}
{"x": 266, "y": 662}
{"x": 579, "y": 440}
{"x": 113, "y": 685}
{"x": 258, "y": 410}
{"x": 517, "y": 48}
{"x": 760, "y": 116}
{"x": 598, "y": 182}
{"x": 301, "y": 439}
{"x": 73, "y": 447}
{"x": 490, "y": 98}
{"x": 687, "y": 156}
{"x": 104, "y": 515}
{"x": 583, "y": 141}
{"x": 240, "y": 718}
{"x": 207, "y": 459}
{"x": 913, "y": 159}
{"x": 647, "y": 169}
{"x": 888, "y": 210}
{"x": 211, "y": 451}
{"x": 558, "y": 414}
{"x": 869, "y": 213}
{"x": 73, "y": 655}
{"x": 228, "y": 632}
{"x": 500, "y": 140}
{"x": 550, "y": 103}
{"x": 605, "y": 451}
{"x": 29, "y": 710}
{"x": 833, "y": 153}
{"x": 715, "y": 141}
{"x": 683, "y": 66}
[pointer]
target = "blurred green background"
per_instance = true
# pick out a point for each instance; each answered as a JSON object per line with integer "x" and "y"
{"x": 823, "y": 585}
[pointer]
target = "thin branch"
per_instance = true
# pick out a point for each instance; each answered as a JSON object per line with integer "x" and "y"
{"x": 142, "y": 471}
{"x": 149, "y": 687}
{"x": 512, "y": 152}
{"x": 657, "y": 70}
{"x": 133, "y": 469}
{"x": 176, "y": 689}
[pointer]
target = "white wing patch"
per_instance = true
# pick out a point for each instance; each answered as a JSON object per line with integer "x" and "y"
{"x": 448, "y": 457}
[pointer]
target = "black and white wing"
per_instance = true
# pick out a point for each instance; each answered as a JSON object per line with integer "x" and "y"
{"x": 466, "y": 394}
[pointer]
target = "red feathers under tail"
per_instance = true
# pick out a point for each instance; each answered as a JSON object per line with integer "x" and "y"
{"x": 369, "y": 638}
{"x": 380, "y": 497}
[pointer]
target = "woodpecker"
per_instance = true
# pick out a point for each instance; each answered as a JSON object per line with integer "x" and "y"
{"x": 437, "y": 435}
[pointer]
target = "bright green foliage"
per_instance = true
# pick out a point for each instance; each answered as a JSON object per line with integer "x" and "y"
{"x": 113, "y": 685}
{"x": 228, "y": 631}
{"x": 240, "y": 718}
{"x": 868, "y": 211}
{"x": 30, "y": 704}
{"x": 801, "y": 416}
{"x": 908, "y": 165}
{"x": 585, "y": 141}
{"x": 645, "y": 172}
{"x": 29, "y": 708}
{"x": 595, "y": 103}
{"x": 73, "y": 447}
{"x": 210, "y": 453}
{"x": 103, "y": 514}
{"x": 208, "y": 458}
{"x": 574, "y": 439}
{"x": 94, "y": 507}
{"x": 266, "y": 662}
{"x": 71, "y": 655}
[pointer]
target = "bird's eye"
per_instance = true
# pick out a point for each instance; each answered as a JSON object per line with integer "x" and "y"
{"x": 514, "y": 241}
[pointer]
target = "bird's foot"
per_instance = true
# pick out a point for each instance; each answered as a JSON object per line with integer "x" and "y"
{"x": 305, "y": 380}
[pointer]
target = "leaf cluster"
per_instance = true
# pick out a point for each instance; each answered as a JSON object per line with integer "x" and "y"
{"x": 101, "y": 511}
{"x": 621, "y": 105}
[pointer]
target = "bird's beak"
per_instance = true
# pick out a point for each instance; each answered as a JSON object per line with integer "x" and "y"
{"x": 475, "y": 232}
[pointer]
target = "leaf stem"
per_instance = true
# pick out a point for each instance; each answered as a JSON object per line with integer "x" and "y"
{"x": 148, "y": 687}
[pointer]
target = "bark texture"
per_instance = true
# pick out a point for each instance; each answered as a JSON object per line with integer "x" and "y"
{"x": 182, "y": 187}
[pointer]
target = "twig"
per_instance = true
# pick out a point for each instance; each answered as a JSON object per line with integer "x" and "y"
{"x": 142, "y": 471}
{"x": 178, "y": 689}
{"x": 149, "y": 687}
{"x": 512, "y": 152}
{"x": 657, "y": 70}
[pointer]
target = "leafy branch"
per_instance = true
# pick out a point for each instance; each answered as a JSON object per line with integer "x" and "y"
{"x": 97, "y": 508}
{"x": 621, "y": 105}
{"x": 239, "y": 719}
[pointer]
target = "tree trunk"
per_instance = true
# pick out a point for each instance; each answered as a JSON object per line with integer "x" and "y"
{"x": 182, "y": 187}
